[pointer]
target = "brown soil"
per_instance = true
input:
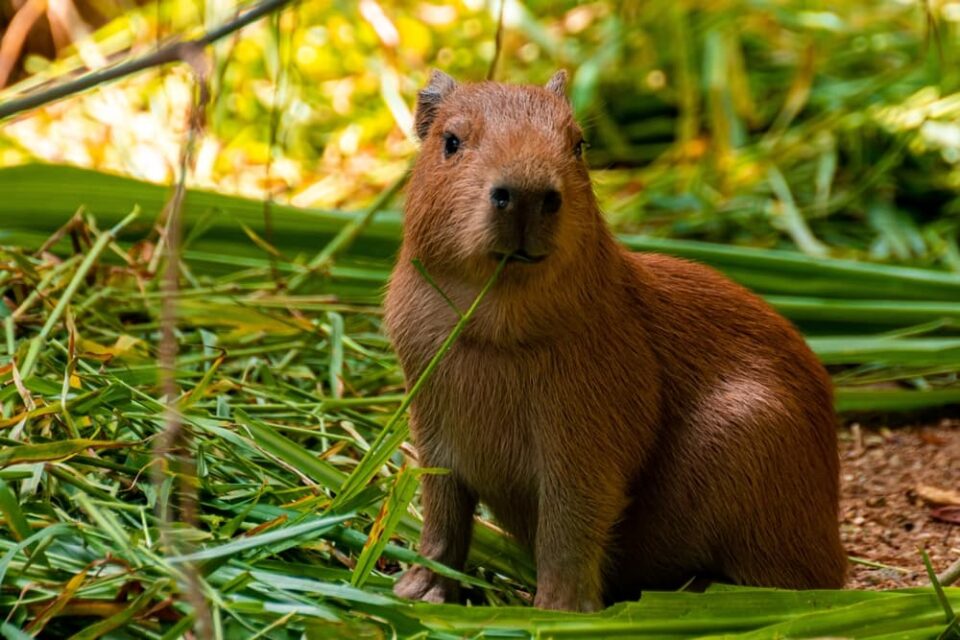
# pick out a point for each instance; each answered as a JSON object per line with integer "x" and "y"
{"x": 893, "y": 481}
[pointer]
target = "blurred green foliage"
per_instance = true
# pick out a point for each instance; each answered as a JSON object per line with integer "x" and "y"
{"x": 832, "y": 129}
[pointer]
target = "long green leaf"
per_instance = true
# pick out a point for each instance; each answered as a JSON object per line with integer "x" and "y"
{"x": 314, "y": 526}
{"x": 48, "y": 451}
{"x": 404, "y": 486}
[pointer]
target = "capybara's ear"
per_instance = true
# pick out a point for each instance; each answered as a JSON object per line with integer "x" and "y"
{"x": 429, "y": 99}
{"x": 558, "y": 84}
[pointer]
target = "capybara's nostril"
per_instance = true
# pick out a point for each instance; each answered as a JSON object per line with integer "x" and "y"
{"x": 551, "y": 201}
{"x": 500, "y": 197}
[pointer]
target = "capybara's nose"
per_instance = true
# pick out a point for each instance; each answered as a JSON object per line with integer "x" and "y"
{"x": 551, "y": 201}
{"x": 525, "y": 201}
{"x": 500, "y": 197}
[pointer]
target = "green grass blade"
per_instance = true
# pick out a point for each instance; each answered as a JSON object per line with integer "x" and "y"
{"x": 313, "y": 527}
{"x": 48, "y": 451}
{"x": 404, "y": 486}
{"x": 392, "y": 434}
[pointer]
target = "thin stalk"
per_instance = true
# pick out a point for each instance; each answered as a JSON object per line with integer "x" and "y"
{"x": 950, "y": 575}
{"x": 40, "y": 290}
{"x": 98, "y": 247}
{"x": 349, "y": 233}
{"x": 793, "y": 221}
{"x": 938, "y": 589}
{"x": 393, "y": 434}
{"x": 181, "y": 50}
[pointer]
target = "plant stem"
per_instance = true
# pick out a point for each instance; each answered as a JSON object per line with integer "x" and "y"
{"x": 348, "y": 233}
{"x": 173, "y": 52}
{"x": 950, "y": 575}
{"x": 102, "y": 242}
{"x": 392, "y": 435}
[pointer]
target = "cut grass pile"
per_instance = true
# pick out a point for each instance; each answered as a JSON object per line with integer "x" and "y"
{"x": 283, "y": 396}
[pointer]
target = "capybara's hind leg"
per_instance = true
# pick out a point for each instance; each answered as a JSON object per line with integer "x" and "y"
{"x": 788, "y": 560}
{"x": 775, "y": 485}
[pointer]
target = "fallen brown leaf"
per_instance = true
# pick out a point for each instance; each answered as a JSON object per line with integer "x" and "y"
{"x": 937, "y": 496}
{"x": 928, "y": 437}
{"x": 950, "y": 515}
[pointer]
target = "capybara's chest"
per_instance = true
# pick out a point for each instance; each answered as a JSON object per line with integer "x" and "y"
{"x": 480, "y": 416}
{"x": 496, "y": 417}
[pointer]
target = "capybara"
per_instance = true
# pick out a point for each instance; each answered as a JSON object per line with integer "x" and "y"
{"x": 634, "y": 419}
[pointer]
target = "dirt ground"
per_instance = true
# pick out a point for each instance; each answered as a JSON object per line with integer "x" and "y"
{"x": 900, "y": 491}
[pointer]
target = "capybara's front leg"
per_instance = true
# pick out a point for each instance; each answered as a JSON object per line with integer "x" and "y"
{"x": 576, "y": 513}
{"x": 447, "y": 523}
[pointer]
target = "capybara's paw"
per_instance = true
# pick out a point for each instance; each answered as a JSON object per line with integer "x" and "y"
{"x": 419, "y": 583}
{"x": 566, "y": 601}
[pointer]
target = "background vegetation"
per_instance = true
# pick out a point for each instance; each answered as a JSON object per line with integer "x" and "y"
{"x": 213, "y": 441}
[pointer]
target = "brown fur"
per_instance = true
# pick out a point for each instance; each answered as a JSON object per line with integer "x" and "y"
{"x": 634, "y": 419}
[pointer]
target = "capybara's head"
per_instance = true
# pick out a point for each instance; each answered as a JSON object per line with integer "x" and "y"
{"x": 500, "y": 173}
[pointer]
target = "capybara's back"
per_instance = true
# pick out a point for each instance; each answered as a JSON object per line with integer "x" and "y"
{"x": 634, "y": 419}
{"x": 744, "y": 482}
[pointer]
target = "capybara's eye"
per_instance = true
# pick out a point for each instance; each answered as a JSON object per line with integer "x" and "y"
{"x": 578, "y": 149}
{"x": 451, "y": 144}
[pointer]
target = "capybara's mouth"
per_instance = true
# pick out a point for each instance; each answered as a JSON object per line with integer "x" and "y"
{"x": 519, "y": 256}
